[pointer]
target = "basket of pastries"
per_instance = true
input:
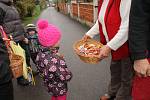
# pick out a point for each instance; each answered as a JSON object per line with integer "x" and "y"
{"x": 88, "y": 50}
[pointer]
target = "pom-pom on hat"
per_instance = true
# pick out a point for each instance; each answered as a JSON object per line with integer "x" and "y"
{"x": 48, "y": 34}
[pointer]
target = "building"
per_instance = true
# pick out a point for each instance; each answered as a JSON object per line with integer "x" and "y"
{"x": 85, "y": 11}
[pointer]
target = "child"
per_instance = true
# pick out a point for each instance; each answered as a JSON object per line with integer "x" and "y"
{"x": 50, "y": 64}
{"x": 33, "y": 41}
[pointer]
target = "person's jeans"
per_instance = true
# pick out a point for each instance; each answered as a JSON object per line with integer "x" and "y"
{"x": 6, "y": 91}
{"x": 121, "y": 79}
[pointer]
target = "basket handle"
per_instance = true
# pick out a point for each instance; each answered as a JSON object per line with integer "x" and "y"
{"x": 3, "y": 32}
{"x": 7, "y": 42}
{"x": 4, "y": 35}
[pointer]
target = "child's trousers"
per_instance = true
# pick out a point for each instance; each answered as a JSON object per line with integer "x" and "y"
{"x": 59, "y": 97}
{"x": 33, "y": 57}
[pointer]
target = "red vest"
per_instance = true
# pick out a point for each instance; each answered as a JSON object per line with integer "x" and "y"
{"x": 112, "y": 22}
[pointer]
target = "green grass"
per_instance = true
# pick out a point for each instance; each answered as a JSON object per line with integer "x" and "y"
{"x": 28, "y": 20}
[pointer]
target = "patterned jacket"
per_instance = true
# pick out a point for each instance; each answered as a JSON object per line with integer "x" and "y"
{"x": 54, "y": 71}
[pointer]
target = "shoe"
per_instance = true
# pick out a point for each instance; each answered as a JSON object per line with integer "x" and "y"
{"x": 107, "y": 97}
{"x": 23, "y": 82}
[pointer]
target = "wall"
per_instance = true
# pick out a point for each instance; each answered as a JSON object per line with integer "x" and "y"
{"x": 63, "y": 7}
{"x": 86, "y": 12}
{"x": 83, "y": 12}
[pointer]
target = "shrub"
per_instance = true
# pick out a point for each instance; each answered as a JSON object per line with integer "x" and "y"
{"x": 42, "y": 4}
{"x": 25, "y": 7}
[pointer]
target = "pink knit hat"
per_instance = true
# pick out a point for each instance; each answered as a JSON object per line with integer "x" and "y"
{"x": 48, "y": 34}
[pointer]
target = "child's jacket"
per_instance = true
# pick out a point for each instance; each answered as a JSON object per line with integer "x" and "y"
{"x": 54, "y": 71}
{"x": 34, "y": 43}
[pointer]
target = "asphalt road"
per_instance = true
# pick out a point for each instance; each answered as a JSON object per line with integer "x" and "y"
{"x": 89, "y": 81}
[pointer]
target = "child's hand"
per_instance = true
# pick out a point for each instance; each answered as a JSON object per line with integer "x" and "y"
{"x": 26, "y": 40}
{"x": 60, "y": 55}
{"x": 85, "y": 38}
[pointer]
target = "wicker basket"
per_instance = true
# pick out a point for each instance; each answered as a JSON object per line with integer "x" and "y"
{"x": 16, "y": 61}
{"x": 87, "y": 58}
{"x": 16, "y": 65}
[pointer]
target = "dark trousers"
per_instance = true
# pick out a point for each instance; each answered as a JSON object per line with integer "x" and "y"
{"x": 33, "y": 56}
{"x": 6, "y": 91}
{"x": 121, "y": 78}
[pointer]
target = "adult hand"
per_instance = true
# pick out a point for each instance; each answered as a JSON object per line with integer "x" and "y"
{"x": 148, "y": 72}
{"x": 11, "y": 37}
{"x": 142, "y": 67}
{"x": 86, "y": 37}
{"x": 104, "y": 52}
{"x": 6, "y": 39}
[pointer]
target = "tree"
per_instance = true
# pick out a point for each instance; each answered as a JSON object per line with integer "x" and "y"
{"x": 25, "y": 7}
{"x": 43, "y": 4}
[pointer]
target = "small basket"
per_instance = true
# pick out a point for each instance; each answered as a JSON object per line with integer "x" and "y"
{"x": 16, "y": 61}
{"x": 16, "y": 65}
{"x": 87, "y": 58}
